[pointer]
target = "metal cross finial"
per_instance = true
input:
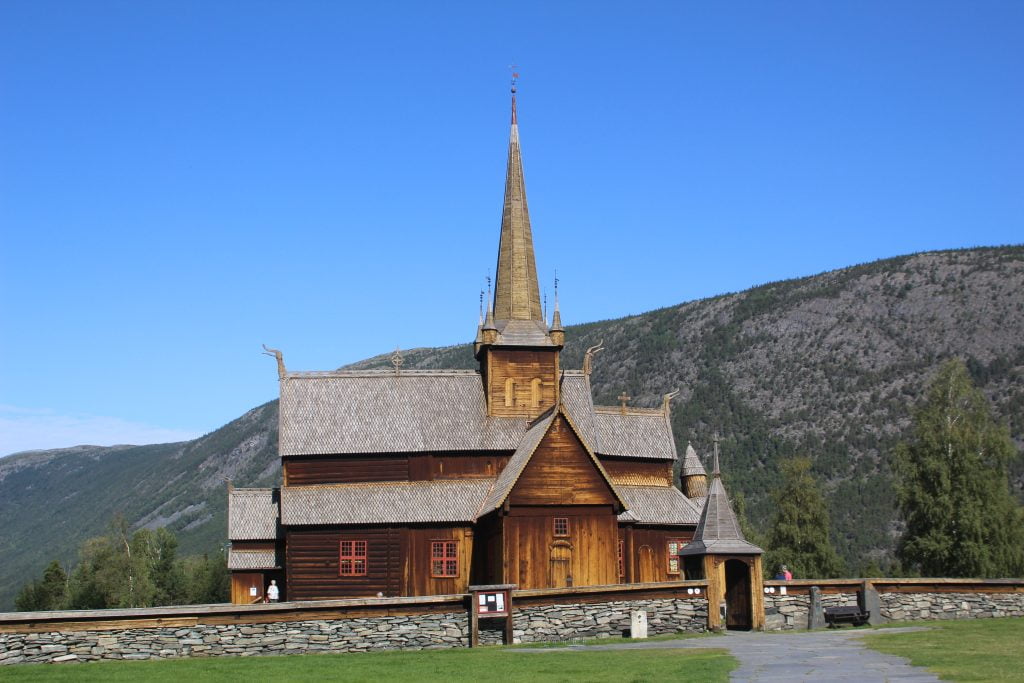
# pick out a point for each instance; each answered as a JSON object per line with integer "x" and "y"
{"x": 624, "y": 399}
{"x": 397, "y": 360}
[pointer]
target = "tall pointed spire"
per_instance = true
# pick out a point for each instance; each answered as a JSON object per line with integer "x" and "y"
{"x": 516, "y": 291}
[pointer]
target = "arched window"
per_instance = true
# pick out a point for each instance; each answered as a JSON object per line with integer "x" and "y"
{"x": 535, "y": 392}
{"x": 510, "y": 392}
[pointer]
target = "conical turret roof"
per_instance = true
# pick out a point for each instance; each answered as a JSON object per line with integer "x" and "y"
{"x": 692, "y": 466}
{"x": 718, "y": 532}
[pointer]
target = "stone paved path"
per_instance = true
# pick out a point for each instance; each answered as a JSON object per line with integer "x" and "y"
{"x": 802, "y": 656}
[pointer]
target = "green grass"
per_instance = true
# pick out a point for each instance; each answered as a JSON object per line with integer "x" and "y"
{"x": 485, "y": 664}
{"x": 967, "y": 650}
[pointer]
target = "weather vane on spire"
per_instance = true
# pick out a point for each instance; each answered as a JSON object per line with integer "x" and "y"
{"x": 515, "y": 75}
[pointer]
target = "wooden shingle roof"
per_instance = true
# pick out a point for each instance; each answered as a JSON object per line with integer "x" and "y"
{"x": 242, "y": 559}
{"x": 395, "y": 502}
{"x": 252, "y": 515}
{"x": 718, "y": 532}
{"x": 658, "y": 505}
{"x": 691, "y": 463}
{"x": 384, "y": 412}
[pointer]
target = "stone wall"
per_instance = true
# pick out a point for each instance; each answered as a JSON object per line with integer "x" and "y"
{"x": 789, "y": 612}
{"x": 550, "y": 623}
{"x": 915, "y": 606}
{"x": 538, "y": 623}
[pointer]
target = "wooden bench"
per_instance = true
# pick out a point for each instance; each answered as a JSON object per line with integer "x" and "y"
{"x": 846, "y": 615}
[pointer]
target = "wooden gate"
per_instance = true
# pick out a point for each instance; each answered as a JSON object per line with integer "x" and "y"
{"x": 246, "y": 587}
{"x": 737, "y": 595}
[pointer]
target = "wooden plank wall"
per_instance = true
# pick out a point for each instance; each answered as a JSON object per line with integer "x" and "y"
{"x": 445, "y": 466}
{"x": 530, "y": 544}
{"x": 417, "y": 569}
{"x": 522, "y": 366}
{"x": 647, "y": 552}
{"x": 561, "y": 473}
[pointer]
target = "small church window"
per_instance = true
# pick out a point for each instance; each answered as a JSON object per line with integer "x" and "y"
{"x": 674, "y": 546}
{"x": 561, "y": 526}
{"x": 444, "y": 558}
{"x": 510, "y": 392}
{"x": 352, "y": 558}
{"x": 535, "y": 393}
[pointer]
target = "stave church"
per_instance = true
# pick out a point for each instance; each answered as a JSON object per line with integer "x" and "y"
{"x": 405, "y": 482}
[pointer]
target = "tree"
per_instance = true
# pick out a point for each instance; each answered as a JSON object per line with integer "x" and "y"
{"x": 49, "y": 593}
{"x": 953, "y": 486}
{"x": 799, "y": 534}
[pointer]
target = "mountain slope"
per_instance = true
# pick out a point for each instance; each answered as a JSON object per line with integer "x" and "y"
{"x": 828, "y": 366}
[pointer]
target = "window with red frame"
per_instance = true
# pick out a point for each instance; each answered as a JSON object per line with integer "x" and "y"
{"x": 352, "y": 558}
{"x": 674, "y": 546}
{"x": 622, "y": 558}
{"x": 561, "y": 526}
{"x": 444, "y": 558}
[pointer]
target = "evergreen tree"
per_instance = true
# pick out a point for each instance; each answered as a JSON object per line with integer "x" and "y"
{"x": 953, "y": 486}
{"x": 799, "y": 534}
{"x": 49, "y": 593}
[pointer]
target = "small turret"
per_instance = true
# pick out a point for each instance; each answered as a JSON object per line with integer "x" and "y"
{"x": 693, "y": 476}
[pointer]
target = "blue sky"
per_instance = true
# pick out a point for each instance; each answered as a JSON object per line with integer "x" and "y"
{"x": 183, "y": 181}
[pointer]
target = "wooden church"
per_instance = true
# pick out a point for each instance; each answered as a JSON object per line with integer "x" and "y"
{"x": 409, "y": 482}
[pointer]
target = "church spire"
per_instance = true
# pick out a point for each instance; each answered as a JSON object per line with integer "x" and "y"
{"x": 516, "y": 291}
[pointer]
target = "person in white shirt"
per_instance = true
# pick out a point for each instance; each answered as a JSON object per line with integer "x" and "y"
{"x": 272, "y": 592}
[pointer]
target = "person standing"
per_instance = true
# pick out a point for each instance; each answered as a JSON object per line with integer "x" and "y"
{"x": 273, "y": 593}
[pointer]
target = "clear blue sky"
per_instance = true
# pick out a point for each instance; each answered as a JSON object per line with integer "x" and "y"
{"x": 181, "y": 180}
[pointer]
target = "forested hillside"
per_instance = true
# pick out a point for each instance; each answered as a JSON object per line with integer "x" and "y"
{"x": 827, "y": 366}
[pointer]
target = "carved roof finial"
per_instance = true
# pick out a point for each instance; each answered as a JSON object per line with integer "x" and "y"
{"x": 556, "y": 318}
{"x": 667, "y": 399}
{"x": 588, "y": 357}
{"x": 397, "y": 360}
{"x": 280, "y": 360}
{"x": 623, "y": 402}
{"x": 717, "y": 472}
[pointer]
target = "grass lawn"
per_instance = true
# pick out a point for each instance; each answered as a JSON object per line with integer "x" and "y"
{"x": 485, "y": 664}
{"x": 967, "y": 650}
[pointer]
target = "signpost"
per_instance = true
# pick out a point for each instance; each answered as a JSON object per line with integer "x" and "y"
{"x": 490, "y": 602}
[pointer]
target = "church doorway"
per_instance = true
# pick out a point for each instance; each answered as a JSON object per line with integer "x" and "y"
{"x": 559, "y": 569}
{"x": 647, "y": 567}
{"x": 737, "y": 595}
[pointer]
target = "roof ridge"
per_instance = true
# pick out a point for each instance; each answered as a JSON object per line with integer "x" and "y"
{"x": 630, "y": 410}
{"x": 370, "y": 484}
{"x": 380, "y": 372}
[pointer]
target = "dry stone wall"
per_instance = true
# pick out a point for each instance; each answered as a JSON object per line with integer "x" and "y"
{"x": 422, "y": 631}
{"x": 916, "y": 606}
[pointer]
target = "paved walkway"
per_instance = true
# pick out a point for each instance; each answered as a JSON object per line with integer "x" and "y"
{"x": 837, "y": 655}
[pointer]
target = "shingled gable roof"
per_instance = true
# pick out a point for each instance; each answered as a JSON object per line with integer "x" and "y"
{"x": 395, "y": 502}
{"x": 506, "y": 481}
{"x": 718, "y": 532}
{"x": 638, "y": 433}
{"x": 252, "y": 515}
{"x": 325, "y": 413}
{"x": 384, "y": 412}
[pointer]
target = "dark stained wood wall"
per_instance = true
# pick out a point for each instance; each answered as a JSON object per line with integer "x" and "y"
{"x": 312, "y": 563}
{"x": 522, "y": 366}
{"x": 638, "y": 472}
{"x": 344, "y": 469}
{"x": 533, "y": 554}
{"x": 347, "y": 469}
{"x": 561, "y": 473}
{"x": 398, "y": 562}
{"x": 444, "y": 466}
